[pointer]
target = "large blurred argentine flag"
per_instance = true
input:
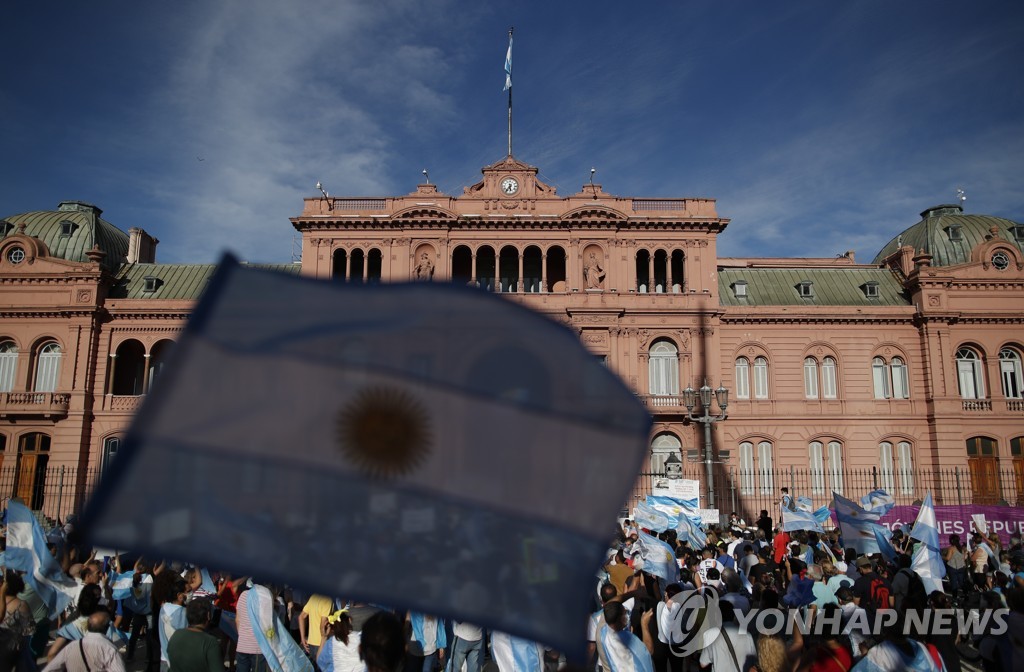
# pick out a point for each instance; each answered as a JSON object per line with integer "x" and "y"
{"x": 422, "y": 446}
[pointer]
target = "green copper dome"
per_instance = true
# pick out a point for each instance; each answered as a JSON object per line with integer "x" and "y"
{"x": 71, "y": 230}
{"x": 949, "y": 235}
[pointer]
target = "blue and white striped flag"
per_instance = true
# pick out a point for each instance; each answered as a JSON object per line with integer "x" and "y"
{"x": 27, "y": 552}
{"x": 280, "y": 650}
{"x": 652, "y": 519}
{"x": 927, "y": 562}
{"x": 800, "y": 520}
{"x": 508, "y": 64}
{"x": 804, "y": 503}
{"x": 672, "y": 505}
{"x": 883, "y": 537}
{"x": 430, "y": 411}
{"x": 624, "y": 651}
{"x": 691, "y": 532}
{"x": 121, "y": 585}
{"x": 878, "y": 501}
{"x": 926, "y": 528}
{"x": 658, "y": 557}
{"x": 855, "y": 524}
{"x": 513, "y": 654}
{"x": 821, "y": 514}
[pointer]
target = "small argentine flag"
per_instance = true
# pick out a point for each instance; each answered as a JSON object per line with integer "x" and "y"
{"x": 508, "y": 64}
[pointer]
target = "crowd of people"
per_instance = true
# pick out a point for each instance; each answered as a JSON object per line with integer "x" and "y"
{"x": 161, "y": 616}
{"x": 805, "y": 577}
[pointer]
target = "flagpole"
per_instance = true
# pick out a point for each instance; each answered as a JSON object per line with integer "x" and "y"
{"x": 510, "y": 93}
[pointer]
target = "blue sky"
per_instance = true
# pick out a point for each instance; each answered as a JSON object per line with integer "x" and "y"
{"x": 818, "y": 126}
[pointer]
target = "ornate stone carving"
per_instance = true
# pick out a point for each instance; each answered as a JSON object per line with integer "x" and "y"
{"x": 645, "y": 336}
{"x": 84, "y": 296}
{"x": 934, "y": 301}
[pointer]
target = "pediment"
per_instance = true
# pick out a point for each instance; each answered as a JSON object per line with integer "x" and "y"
{"x": 594, "y": 212}
{"x": 425, "y": 212}
{"x": 510, "y": 163}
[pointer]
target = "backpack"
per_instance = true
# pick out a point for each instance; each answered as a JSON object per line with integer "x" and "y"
{"x": 879, "y": 593}
{"x": 917, "y": 594}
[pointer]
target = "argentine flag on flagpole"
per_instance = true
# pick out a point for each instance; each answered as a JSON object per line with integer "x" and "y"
{"x": 508, "y": 64}
{"x": 403, "y": 415}
{"x": 926, "y": 561}
{"x": 855, "y": 524}
{"x": 27, "y": 552}
{"x": 926, "y": 529}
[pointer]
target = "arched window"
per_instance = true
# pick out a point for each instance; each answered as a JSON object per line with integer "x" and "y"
{"x": 760, "y": 378}
{"x": 1009, "y": 370}
{"x": 8, "y": 365}
{"x": 764, "y": 467}
{"x": 110, "y": 447}
{"x": 890, "y": 379}
{"x": 983, "y": 463}
{"x": 664, "y": 369}
{"x": 829, "y": 379}
{"x": 969, "y": 373}
{"x": 742, "y": 378}
{"x": 756, "y": 468}
{"x": 47, "y": 368}
{"x": 900, "y": 380}
{"x": 662, "y": 447}
{"x": 880, "y": 377}
{"x": 835, "y": 465}
{"x": 129, "y": 369}
{"x": 158, "y": 355}
{"x": 816, "y": 461}
{"x": 810, "y": 378}
{"x": 826, "y": 468}
{"x": 885, "y": 466}
{"x": 905, "y": 468}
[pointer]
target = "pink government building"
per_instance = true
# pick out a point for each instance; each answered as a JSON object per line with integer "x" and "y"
{"x": 903, "y": 373}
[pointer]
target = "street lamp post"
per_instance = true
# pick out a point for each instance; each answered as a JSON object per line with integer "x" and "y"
{"x": 690, "y": 398}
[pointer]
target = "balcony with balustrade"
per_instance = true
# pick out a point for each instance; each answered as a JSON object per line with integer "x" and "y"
{"x": 34, "y": 404}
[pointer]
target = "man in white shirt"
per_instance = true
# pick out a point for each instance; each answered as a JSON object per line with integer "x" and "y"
{"x": 468, "y": 646}
{"x": 92, "y": 653}
{"x": 733, "y": 650}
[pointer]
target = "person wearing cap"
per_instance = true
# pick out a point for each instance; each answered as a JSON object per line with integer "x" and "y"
{"x": 871, "y": 590}
{"x": 724, "y": 559}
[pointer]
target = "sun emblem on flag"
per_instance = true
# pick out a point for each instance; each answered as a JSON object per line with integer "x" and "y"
{"x": 384, "y": 432}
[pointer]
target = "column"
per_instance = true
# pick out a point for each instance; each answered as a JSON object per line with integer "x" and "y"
{"x": 650, "y": 273}
{"x": 670, "y": 273}
{"x": 544, "y": 272}
{"x": 348, "y": 265}
{"x": 472, "y": 272}
{"x": 520, "y": 283}
{"x": 110, "y": 378}
{"x": 145, "y": 374}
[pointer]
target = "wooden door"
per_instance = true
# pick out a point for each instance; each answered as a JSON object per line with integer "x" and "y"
{"x": 985, "y": 480}
{"x": 30, "y": 478}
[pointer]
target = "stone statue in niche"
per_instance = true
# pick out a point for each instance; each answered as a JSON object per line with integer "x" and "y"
{"x": 424, "y": 271}
{"x": 593, "y": 273}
